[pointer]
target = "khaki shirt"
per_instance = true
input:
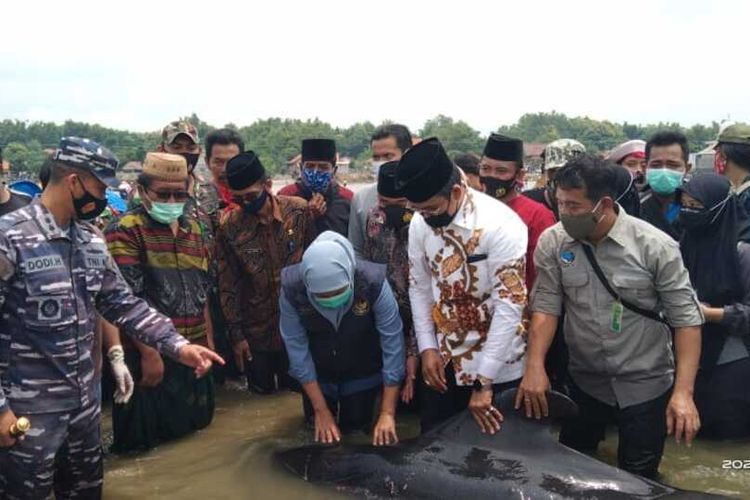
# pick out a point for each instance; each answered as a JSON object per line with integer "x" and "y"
{"x": 645, "y": 267}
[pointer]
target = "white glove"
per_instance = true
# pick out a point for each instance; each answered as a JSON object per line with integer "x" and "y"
{"x": 120, "y": 371}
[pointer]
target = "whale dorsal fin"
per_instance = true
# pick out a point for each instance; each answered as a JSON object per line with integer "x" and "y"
{"x": 560, "y": 405}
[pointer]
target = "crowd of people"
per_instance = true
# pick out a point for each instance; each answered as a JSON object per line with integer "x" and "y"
{"x": 621, "y": 280}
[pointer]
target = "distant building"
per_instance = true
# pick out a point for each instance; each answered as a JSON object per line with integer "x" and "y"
{"x": 130, "y": 171}
{"x": 532, "y": 155}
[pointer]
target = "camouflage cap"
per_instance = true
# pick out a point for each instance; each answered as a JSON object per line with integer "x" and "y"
{"x": 177, "y": 128}
{"x": 739, "y": 133}
{"x": 557, "y": 153}
{"x": 88, "y": 155}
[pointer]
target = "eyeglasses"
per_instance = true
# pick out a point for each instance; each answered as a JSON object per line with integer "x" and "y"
{"x": 165, "y": 196}
{"x": 428, "y": 212}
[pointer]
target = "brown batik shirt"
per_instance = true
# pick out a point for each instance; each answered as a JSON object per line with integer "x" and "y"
{"x": 251, "y": 253}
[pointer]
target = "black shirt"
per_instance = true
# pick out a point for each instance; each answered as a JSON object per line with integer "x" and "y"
{"x": 15, "y": 202}
{"x": 651, "y": 212}
{"x": 537, "y": 194}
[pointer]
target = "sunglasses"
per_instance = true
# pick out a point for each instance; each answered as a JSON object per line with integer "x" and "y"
{"x": 165, "y": 196}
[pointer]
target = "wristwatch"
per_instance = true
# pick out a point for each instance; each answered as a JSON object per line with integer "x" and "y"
{"x": 482, "y": 383}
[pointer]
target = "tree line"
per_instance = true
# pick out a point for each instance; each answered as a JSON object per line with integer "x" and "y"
{"x": 277, "y": 140}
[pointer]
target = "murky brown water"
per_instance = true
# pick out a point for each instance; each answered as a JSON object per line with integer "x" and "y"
{"x": 233, "y": 458}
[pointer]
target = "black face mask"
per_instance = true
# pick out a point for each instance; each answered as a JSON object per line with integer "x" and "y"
{"x": 441, "y": 220}
{"x": 640, "y": 179}
{"x": 192, "y": 160}
{"x": 498, "y": 188}
{"x": 254, "y": 206}
{"x": 696, "y": 219}
{"x": 88, "y": 206}
{"x": 397, "y": 217}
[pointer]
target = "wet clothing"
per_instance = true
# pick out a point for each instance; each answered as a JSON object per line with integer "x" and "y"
{"x": 338, "y": 206}
{"x": 651, "y": 212}
{"x": 642, "y": 430}
{"x": 537, "y": 218}
{"x": 268, "y": 372}
{"x": 353, "y": 412}
{"x": 178, "y": 406}
{"x": 386, "y": 245}
{"x": 468, "y": 289}
{"x": 172, "y": 274}
{"x": 68, "y": 443}
{"x": 364, "y": 201}
{"x": 723, "y": 400}
{"x": 15, "y": 202}
{"x": 53, "y": 281}
{"x": 251, "y": 254}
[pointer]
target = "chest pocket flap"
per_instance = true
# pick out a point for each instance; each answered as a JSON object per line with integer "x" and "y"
{"x": 574, "y": 277}
{"x": 637, "y": 288}
{"x": 49, "y": 301}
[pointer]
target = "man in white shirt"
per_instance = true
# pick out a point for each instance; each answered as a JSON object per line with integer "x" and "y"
{"x": 467, "y": 288}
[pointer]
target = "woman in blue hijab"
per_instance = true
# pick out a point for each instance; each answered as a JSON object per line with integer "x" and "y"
{"x": 719, "y": 270}
{"x": 342, "y": 330}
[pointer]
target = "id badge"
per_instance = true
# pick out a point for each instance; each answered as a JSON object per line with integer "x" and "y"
{"x": 616, "y": 325}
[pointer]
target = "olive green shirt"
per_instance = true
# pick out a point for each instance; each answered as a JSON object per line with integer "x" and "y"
{"x": 644, "y": 265}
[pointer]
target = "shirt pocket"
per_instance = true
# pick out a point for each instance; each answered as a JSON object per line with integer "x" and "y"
{"x": 638, "y": 289}
{"x": 50, "y": 303}
{"x": 574, "y": 282}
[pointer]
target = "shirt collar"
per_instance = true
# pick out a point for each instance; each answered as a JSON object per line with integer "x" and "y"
{"x": 465, "y": 215}
{"x": 618, "y": 231}
{"x": 48, "y": 225}
{"x": 276, "y": 208}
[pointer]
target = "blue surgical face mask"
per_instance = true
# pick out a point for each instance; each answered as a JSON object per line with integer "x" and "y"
{"x": 316, "y": 180}
{"x": 336, "y": 301}
{"x": 664, "y": 181}
{"x": 166, "y": 213}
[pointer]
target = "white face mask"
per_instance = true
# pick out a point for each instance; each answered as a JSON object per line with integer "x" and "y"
{"x": 376, "y": 167}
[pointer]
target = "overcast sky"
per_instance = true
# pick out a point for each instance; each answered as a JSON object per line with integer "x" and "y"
{"x": 138, "y": 65}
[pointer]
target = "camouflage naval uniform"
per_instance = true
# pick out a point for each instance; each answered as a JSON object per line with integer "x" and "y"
{"x": 52, "y": 283}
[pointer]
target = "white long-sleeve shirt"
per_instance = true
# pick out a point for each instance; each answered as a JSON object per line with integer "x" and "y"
{"x": 467, "y": 289}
